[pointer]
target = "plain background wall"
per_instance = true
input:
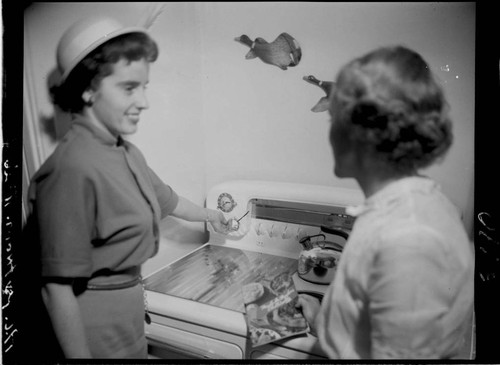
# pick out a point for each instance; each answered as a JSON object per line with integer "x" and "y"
{"x": 215, "y": 116}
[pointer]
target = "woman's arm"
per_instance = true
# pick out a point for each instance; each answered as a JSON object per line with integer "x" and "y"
{"x": 191, "y": 212}
{"x": 66, "y": 319}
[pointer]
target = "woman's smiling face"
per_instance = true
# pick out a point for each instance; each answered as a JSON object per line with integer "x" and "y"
{"x": 120, "y": 98}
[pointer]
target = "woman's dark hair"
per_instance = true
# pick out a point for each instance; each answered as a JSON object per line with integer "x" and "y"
{"x": 99, "y": 64}
{"x": 389, "y": 102}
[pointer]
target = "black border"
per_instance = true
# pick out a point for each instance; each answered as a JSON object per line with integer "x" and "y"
{"x": 486, "y": 194}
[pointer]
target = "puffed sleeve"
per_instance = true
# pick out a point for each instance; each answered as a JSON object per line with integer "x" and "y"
{"x": 65, "y": 210}
{"x": 167, "y": 197}
{"x": 407, "y": 291}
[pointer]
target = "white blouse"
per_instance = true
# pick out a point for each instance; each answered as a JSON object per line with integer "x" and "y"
{"x": 404, "y": 287}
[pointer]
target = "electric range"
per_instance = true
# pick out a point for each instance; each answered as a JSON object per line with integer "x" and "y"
{"x": 196, "y": 304}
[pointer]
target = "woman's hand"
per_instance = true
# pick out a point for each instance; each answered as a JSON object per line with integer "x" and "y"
{"x": 218, "y": 221}
{"x": 309, "y": 306}
{"x": 191, "y": 212}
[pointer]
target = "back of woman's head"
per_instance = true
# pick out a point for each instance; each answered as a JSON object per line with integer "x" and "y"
{"x": 98, "y": 64}
{"x": 391, "y": 104}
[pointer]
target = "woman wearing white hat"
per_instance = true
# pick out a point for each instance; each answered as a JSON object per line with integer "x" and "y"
{"x": 95, "y": 202}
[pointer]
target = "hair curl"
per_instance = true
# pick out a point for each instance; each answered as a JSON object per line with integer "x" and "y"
{"x": 98, "y": 64}
{"x": 389, "y": 102}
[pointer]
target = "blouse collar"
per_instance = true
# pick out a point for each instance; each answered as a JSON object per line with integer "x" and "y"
{"x": 394, "y": 191}
{"x": 104, "y": 137}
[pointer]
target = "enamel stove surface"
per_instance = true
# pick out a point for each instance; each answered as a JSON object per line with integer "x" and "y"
{"x": 195, "y": 302}
{"x": 214, "y": 275}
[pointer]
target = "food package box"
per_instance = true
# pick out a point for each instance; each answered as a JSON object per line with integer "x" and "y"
{"x": 271, "y": 314}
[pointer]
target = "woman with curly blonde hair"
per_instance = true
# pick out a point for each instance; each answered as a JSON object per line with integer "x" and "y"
{"x": 404, "y": 285}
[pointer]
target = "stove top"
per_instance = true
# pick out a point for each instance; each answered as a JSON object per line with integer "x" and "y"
{"x": 196, "y": 303}
{"x": 215, "y": 274}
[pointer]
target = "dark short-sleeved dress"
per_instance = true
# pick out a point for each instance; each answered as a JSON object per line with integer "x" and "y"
{"x": 97, "y": 206}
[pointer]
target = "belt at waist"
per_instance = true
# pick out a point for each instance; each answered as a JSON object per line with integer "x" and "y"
{"x": 116, "y": 286}
{"x": 112, "y": 280}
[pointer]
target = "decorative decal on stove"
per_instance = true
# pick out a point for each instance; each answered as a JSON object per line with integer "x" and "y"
{"x": 226, "y": 203}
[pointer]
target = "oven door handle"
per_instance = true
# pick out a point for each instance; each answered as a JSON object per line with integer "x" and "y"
{"x": 184, "y": 350}
{"x": 190, "y": 344}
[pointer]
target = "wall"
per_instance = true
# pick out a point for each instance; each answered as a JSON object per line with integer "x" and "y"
{"x": 216, "y": 116}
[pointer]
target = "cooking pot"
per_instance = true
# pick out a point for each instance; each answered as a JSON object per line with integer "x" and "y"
{"x": 319, "y": 258}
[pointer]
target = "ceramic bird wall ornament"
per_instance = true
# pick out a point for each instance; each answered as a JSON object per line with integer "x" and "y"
{"x": 283, "y": 52}
{"x": 327, "y": 86}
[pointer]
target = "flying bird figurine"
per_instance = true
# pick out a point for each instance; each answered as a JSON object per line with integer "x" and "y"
{"x": 327, "y": 86}
{"x": 283, "y": 52}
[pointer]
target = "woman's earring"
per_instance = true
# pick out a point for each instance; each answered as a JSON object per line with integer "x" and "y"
{"x": 88, "y": 98}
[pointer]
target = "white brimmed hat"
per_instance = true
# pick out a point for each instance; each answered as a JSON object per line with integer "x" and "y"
{"x": 86, "y": 35}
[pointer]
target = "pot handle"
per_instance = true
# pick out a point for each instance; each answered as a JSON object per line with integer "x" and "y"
{"x": 338, "y": 232}
{"x": 306, "y": 241}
